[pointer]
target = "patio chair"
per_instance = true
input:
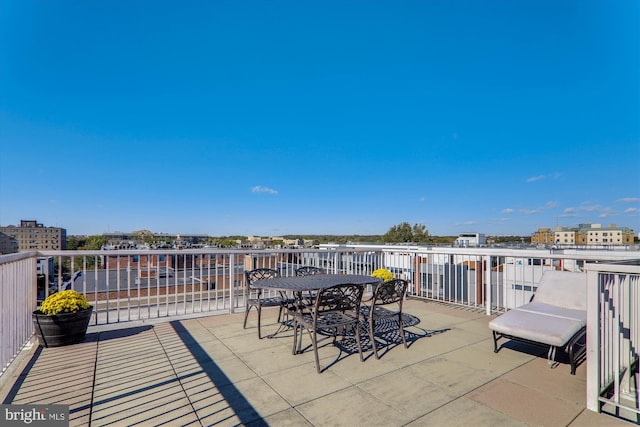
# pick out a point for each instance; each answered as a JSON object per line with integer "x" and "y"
{"x": 555, "y": 318}
{"x": 281, "y": 301}
{"x": 336, "y": 309}
{"x": 307, "y": 270}
{"x": 391, "y": 293}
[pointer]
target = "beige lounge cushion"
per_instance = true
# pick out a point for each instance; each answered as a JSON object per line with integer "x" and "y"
{"x": 552, "y": 310}
{"x": 541, "y": 328}
{"x": 563, "y": 289}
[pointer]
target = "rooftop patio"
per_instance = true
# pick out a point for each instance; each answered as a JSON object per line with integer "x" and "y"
{"x": 209, "y": 370}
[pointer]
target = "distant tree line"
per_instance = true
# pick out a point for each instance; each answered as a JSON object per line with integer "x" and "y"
{"x": 401, "y": 233}
{"x": 85, "y": 243}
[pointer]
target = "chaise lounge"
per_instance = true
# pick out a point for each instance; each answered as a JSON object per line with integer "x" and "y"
{"x": 556, "y": 317}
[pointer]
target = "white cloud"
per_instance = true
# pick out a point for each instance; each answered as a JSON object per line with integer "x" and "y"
{"x": 536, "y": 178}
{"x": 592, "y": 208}
{"x": 507, "y": 211}
{"x": 535, "y": 211}
{"x": 530, "y": 211}
{"x": 261, "y": 189}
{"x": 628, "y": 200}
{"x": 569, "y": 212}
{"x": 541, "y": 177}
{"x": 631, "y": 210}
{"x": 608, "y": 212}
{"x": 551, "y": 205}
{"x": 466, "y": 223}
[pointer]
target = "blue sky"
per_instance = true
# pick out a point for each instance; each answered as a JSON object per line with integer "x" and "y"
{"x": 319, "y": 117}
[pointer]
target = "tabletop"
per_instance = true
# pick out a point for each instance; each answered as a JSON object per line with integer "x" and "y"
{"x": 314, "y": 282}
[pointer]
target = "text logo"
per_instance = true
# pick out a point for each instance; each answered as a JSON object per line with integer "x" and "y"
{"x": 34, "y": 415}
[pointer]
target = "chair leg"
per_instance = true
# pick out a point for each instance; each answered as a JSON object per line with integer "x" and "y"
{"x": 401, "y": 327}
{"x": 572, "y": 360}
{"x": 259, "y": 308}
{"x": 246, "y": 314}
{"x": 314, "y": 337}
{"x": 495, "y": 342}
{"x": 280, "y": 313}
{"x": 372, "y": 337}
{"x": 295, "y": 337}
{"x": 357, "y": 328}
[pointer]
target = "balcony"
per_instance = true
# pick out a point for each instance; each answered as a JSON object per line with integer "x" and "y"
{"x": 209, "y": 370}
{"x": 183, "y": 358}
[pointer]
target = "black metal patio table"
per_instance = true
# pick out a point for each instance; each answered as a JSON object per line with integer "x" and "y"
{"x": 316, "y": 282}
{"x": 303, "y": 284}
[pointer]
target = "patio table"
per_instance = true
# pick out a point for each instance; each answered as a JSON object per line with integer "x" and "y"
{"x": 316, "y": 282}
{"x": 305, "y": 284}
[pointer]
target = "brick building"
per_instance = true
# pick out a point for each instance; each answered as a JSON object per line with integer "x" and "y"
{"x": 585, "y": 235}
{"x": 32, "y": 236}
{"x": 8, "y": 244}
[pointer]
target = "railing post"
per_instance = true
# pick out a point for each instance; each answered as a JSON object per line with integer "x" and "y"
{"x": 487, "y": 289}
{"x": 593, "y": 339}
{"x": 232, "y": 282}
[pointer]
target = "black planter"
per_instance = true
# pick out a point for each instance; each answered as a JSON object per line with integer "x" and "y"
{"x": 61, "y": 329}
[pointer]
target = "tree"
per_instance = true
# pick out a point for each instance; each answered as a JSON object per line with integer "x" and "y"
{"x": 75, "y": 243}
{"x": 144, "y": 236}
{"x": 94, "y": 243}
{"x": 403, "y": 233}
{"x": 88, "y": 243}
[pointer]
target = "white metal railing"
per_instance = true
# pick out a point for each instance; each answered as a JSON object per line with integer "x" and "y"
{"x": 17, "y": 301}
{"x": 613, "y": 339}
{"x": 128, "y": 285}
{"x": 132, "y": 285}
{"x": 492, "y": 279}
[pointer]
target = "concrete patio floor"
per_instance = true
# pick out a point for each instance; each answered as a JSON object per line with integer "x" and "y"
{"x": 211, "y": 371}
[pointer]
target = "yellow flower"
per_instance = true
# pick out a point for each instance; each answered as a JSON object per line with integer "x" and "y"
{"x": 383, "y": 273}
{"x": 68, "y": 301}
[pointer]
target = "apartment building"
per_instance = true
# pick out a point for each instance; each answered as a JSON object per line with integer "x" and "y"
{"x": 32, "y": 235}
{"x": 8, "y": 244}
{"x": 544, "y": 236}
{"x": 565, "y": 236}
{"x": 585, "y": 235}
{"x": 596, "y": 234}
{"x": 470, "y": 240}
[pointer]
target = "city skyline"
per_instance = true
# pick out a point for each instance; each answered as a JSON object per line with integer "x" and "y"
{"x": 278, "y": 118}
{"x": 178, "y": 234}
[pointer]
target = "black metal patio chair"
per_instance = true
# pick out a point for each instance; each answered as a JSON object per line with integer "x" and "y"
{"x": 336, "y": 310}
{"x": 308, "y": 270}
{"x": 281, "y": 301}
{"x": 391, "y": 293}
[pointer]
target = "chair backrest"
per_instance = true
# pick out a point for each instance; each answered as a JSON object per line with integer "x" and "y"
{"x": 346, "y": 297}
{"x": 308, "y": 270}
{"x": 563, "y": 289}
{"x": 389, "y": 292}
{"x": 260, "y": 273}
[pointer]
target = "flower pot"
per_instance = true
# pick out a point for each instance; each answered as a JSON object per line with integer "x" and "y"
{"x": 61, "y": 329}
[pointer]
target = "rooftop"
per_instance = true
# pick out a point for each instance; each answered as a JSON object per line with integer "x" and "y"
{"x": 209, "y": 370}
